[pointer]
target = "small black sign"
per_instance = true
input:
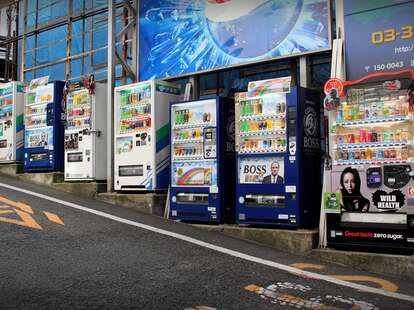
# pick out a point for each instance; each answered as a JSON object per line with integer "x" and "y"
{"x": 388, "y": 201}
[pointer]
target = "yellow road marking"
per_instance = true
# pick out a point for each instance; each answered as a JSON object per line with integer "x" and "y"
{"x": 22, "y": 206}
{"x": 26, "y": 220}
{"x": 307, "y": 266}
{"x": 6, "y": 212}
{"x": 53, "y": 218}
{"x": 23, "y": 211}
{"x": 386, "y": 285}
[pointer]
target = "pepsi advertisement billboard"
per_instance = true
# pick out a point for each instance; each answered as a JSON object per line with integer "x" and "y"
{"x": 379, "y": 36}
{"x": 179, "y": 37}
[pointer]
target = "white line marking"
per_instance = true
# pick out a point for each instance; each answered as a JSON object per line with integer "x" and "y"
{"x": 258, "y": 260}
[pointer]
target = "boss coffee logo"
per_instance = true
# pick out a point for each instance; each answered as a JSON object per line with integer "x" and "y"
{"x": 310, "y": 124}
{"x": 388, "y": 201}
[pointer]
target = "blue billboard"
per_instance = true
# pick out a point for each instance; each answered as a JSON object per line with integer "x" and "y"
{"x": 179, "y": 37}
{"x": 378, "y": 36}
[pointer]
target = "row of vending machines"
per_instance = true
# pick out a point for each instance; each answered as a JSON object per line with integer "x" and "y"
{"x": 246, "y": 160}
{"x": 49, "y": 132}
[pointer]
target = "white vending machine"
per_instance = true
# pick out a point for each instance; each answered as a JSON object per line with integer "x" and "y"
{"x": 142, "y": 135}
{"x": 86, "y": 133}
{"x": 11, "y": 122}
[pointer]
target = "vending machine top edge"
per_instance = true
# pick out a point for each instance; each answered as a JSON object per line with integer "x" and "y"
{"x": 369, "y": 196}
{"x": 278, "y": 155}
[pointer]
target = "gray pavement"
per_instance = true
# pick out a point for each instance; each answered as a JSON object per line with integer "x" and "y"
{"x": 57, "y": 257}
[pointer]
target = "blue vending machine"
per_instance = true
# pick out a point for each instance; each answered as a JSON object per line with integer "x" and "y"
{"x": 202, "y": 160}
{"x": 278, "y": 155}
{"x": 44, "y": 128}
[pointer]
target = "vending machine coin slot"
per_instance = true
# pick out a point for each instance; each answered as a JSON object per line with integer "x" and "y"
{"x": 292, "y": 121}
{"x": 210, "y": 143}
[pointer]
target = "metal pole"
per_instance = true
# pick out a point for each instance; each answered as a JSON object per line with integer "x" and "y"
{"x": 110, "y": 94}
{"x": 135, "y": 43}
{"x": 23, "y": 50}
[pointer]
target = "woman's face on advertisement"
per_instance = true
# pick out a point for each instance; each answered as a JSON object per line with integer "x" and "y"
{"x": 349, "y": 182}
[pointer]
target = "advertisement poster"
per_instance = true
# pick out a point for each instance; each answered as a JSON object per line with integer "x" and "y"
{"x": 331, "y": 202}
{"x": 39, "y": 137}
{"x": 194, "y": 173}
{"x": 182, "y": 37}
{"x": 262, "y": 170}
{"x": 373, "y": 189}
{"x": 44, "y": 94}
{"x": 72, "y": 141}
{"x": 379, "y": 36}
{"x": 124, "y": 145}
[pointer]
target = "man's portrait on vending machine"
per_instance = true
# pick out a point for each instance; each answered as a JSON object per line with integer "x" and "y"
{"x": 273, "y": 177}
{"x": 352, "y": 199}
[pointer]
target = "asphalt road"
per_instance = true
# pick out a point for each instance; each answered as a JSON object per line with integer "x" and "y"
{"x": 55, "y": 256}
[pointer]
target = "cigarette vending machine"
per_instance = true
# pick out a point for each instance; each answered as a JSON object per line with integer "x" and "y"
{"x": 369, "y": 196}
{"x": 202, "y": 160}
{"x": 86, "y": 133}
{"x": 141, "y": 135}
{"x": 44, "y": 128}
{"x": 278, "y": 155}
{"x": 11, "y": 122}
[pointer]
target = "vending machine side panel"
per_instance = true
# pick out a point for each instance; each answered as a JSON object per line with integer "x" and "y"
{"x": 165, "y": 93}
{"x": 310, "y": 164}
{"x": 58, "y": 126}
{"x": 8, "y": 122}
{"x": 100, "y": 131}
{"x": 19, "y": 122}
{"x": 227, "y": 182}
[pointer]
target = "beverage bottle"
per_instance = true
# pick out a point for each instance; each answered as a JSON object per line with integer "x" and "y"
{"x": 346, "y": 115}
{"x": 260, "y": 106}
{"x": 404, "y": 153}
{"x": 255, "y": 108}
{"x": 367, "y": 111}
{"x": 269, "y": 124}
{"x": 248, "y": 108}
{"x": 385, "y": 110}
{"x": 190, "y": 116}
{"x": 339, "y": 114}
{"x": 283, "y": 123}
{"x": 368, "y": 154}
{"x": 177, "y": 117}
{"x": 361, "y": 111}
